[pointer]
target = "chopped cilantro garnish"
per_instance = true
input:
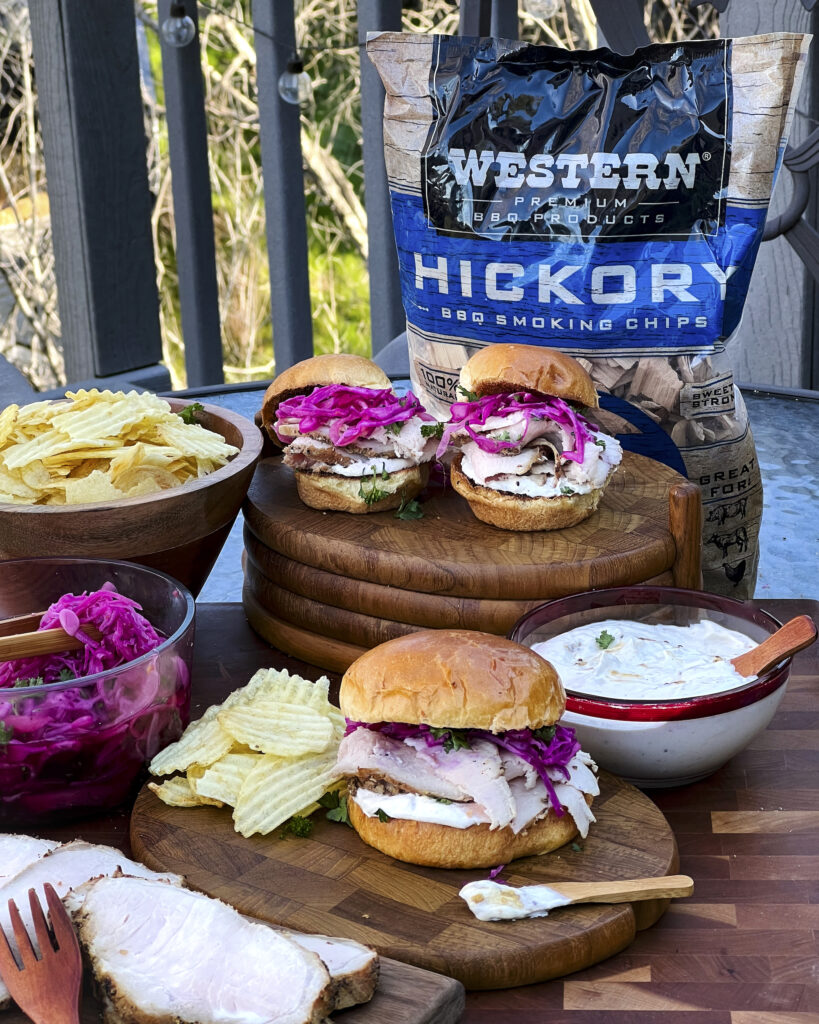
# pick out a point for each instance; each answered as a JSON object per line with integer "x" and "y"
{"x": 441, "y": 800}
{"x": 432, "y": 430}
{"x": 374, "y": 494}
{"x": 6, "y": 732}
{"x": 32, "y": 681}
{"x": 296, "y": 826}
{"x": 565, "y": 489}
{"x": 546, "y": 733}
{"x": 470, "y": 396}
{"x": 382, "y": 815}
{"x": 600, "y": 442}
{"x": 409, "y": 510}
{"x": 604, "y": 640}
{"x": 454, "y": 739}
{"x": 394, "y": 428}
{"x": 188, "y": 413}
{"x": 577, "y": 847}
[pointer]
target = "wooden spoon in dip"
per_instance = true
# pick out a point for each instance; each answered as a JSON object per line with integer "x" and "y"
{"x": 795, "y": 635}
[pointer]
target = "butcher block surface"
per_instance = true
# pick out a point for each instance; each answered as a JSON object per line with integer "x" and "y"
{"x": 634, "y": 536}
{"x": 334, "y": 884}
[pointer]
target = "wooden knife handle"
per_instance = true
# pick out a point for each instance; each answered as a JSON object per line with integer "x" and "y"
{"x": 632, "y": 889}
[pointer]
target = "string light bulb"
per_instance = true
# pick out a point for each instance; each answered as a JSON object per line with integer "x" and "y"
{"x": 294, "y": 83}
{"x": 543, "y": 9}
{"x": 178, "y": 29}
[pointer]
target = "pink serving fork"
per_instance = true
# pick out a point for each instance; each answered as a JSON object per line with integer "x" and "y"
{"x": 46, "y": 988}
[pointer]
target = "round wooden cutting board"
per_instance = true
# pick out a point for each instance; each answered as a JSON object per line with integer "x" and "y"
{"x": 332, "y": 883}
{"x": 647, "y": 523}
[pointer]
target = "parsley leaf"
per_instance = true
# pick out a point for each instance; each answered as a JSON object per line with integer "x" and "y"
{"x": 340, "y": 813}
{"x": 605, "y": 639}
{"x": 470, "y": 396}
{"x": 382, "y": 815}
{"x": 296, "y": 826}
{"x": 565, "y": 489}
{"x": 454, "y": 739}
{"x": 394, "y": 428}
{"x": 546, "y": 733}
{"x": 600, "y": 442}
{"x": 409, "y": 510}
{"x": 189, "y": 412}
{"x": 336, "y": 806}
{"x": 432, "y": 430}
{"x": 374, "y": 494}
{"x": 6, "y": 733}
{"x": 577, "y": 847}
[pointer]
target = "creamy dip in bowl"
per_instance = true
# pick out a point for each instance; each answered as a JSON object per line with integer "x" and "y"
{"x": 650, "y": 689}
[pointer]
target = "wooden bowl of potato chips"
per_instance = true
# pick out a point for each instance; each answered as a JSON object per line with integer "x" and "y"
{"x": 113, "y": 475}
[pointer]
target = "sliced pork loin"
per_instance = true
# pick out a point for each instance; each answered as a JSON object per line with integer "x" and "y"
{"x": 490, "y": 786}
{"x": 66, "y": 867}
{"x": 17, "y": 852}
{"x": 166, "y": 955}
{"x": 353, "y": 967}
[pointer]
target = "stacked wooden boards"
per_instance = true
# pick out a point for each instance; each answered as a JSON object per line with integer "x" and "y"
{"x": 326, "y": 586}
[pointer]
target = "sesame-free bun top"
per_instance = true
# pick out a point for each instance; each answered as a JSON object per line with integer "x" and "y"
{"x": 454, "y": 678}
{"x": 318, "y": 372}
{"x": 509, "y": 367}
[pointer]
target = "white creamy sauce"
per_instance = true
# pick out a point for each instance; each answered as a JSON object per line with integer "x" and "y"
{"x": 493, "y": 901}
{"x": 415, "y": 807}
{"x": 645, "y": 661}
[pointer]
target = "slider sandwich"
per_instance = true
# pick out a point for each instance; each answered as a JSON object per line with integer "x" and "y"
{"x": 527, "y": 458}
{"x": 454, "y": 753}
{"x": 352, "y": 443}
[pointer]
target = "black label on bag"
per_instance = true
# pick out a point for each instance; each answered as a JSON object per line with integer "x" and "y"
{"x": 548, "y": 144}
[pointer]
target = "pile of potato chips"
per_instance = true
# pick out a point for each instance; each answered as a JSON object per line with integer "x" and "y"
{"x": 269, "y": 752}
{"x": 101, "y": 446}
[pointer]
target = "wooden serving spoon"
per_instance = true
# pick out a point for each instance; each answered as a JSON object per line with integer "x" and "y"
{"x": 795, "y": 635}
{"x": 42, "y": 641}
{"x": 493, "y": 901}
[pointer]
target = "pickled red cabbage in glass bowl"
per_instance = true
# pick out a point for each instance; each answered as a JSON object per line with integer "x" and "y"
{"x": 77, "y": 729}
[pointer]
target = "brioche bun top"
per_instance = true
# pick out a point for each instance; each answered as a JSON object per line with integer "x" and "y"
{"x": 510, "y": 367}
{"x": 318, "y": 372}
{"x": 454, "y": 678}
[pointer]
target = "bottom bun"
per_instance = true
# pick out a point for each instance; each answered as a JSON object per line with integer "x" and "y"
{"x": 329, "y": 491}
{"x": 479, "y": 846}
{"x": 521, "y": 512}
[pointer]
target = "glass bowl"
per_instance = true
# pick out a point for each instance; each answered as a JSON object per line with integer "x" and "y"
{"x": 655, "y": 743}
{"x": 79, "y": 746}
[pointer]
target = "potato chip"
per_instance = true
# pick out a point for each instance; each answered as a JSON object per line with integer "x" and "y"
{"x": 223, "y": 779}
{"x": 274, "y": 727}
{"x": 203, "y": 742}
{"x": 95, "y": 487}
{"x": 8, "y": 417}
{"x": 278, "y": 788}
{"x": 177, "y": 792}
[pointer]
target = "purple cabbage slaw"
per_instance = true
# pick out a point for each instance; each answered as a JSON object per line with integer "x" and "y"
{"x": 80, "y": 742}
{"x": 125, "y": 636}
{"x": 350, "y": 412}
{"x": 522, "y": 742}
{"x": 467, "y": 415}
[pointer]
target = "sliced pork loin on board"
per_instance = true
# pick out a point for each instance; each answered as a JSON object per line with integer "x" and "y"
{"x": 17, "y": 852}
{"x": 66, "y": 867}
{"x": 166, "y": 955}
{"x": 353, "y": 967}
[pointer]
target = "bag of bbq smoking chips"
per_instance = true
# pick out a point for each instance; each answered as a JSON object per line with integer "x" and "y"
{"x": 610, "y": 206}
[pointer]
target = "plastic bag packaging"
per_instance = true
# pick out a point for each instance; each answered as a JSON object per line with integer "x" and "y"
{"x": 610, "y": 206}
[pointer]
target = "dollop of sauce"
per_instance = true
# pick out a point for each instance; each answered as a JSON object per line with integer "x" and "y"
{"x": 628, "y": 660}
{"x": 493, "y": 901}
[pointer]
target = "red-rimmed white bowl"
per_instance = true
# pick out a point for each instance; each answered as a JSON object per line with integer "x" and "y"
{"x": 655, "y": 743}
